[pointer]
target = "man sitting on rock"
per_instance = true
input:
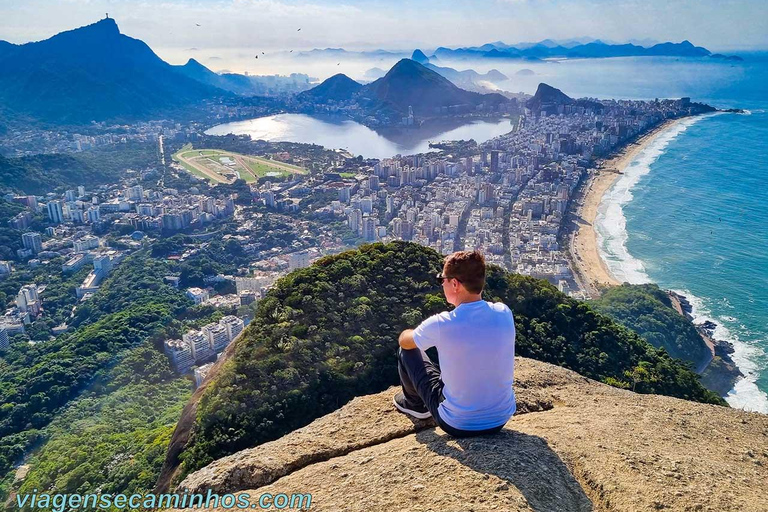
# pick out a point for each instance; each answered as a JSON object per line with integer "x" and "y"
{"x": 470, "y": 393}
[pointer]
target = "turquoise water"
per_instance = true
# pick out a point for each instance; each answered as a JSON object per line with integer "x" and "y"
{"x": 691, "y": 214}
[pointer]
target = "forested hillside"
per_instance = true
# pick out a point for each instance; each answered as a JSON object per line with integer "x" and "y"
{"x": 328, "y": 333}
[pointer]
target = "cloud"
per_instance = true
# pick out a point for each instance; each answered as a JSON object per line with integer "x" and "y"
{"x": 171, "y": 25}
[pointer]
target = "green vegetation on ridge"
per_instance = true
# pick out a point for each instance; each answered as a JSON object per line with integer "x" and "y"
{"x": 647, "y": 310}
{"x": 327, "y": 333}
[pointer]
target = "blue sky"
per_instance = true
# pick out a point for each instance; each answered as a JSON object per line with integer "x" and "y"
{"x": 169, "y": 25}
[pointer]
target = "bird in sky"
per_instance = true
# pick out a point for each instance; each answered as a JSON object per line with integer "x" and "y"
{"x": 299, "y": 30}
{"x": 256, "y": 57}
{"x": 338, "y": 63}
{"x": 197, "y": 24}
{"x": 291, "y": 51}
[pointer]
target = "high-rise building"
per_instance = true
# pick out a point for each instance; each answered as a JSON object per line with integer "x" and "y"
{"x": 233, "y": 325}
{"x": 86, "y": 243}
{"x": 269, "y": 199}
{"x": 32, "y": 241}
{"x": 201, "y": 372}
{"x": 70, "y": 196}
{"x": 217, "y": 336}
{"x": 77, "y": 215}
{"x": 56, "y": 211}
{"x": 201, "y": 347}
{"x": 92, "y": 214}
{"x": 494, "y": 160}
{"x": 180, "y": 354}
{"x": 136, "y": 193}
{"x": 369, "y": 228}
{"x": 397, "y": 228}
{"x": 32, "y": 203}
{"x": 20, "y": 221}
{"x": 28, "y": 300}
{"x": 355, "y": 220}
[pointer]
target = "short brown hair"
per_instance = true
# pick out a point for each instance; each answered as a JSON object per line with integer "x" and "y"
{"x": 468, "y": 267}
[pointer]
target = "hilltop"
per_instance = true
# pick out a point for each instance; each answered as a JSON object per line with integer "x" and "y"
{"x": 327, "y": 333}
{"x": 409, "y": 83}
{"x": 92, "y": 73}
{"x": 339, "y": 87}
{"x": 574, "y": 444}
{"x": 468, "y": 79}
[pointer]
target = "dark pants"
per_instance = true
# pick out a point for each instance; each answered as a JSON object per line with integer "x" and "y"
{"x": 420, "y": 379}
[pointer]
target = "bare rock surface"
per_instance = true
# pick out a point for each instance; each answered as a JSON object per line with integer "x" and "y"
{"x": 574, "y": 445}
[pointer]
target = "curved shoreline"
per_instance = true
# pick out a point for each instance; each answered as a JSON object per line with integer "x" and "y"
{"x": 590, "y": 270}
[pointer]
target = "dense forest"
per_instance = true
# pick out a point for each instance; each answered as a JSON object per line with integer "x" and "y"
{"x": 38, "y": 380}
{"x": 40, "y": 174}
{"x": 327, "y": 333}
{"x": 647, "y": 310}
{"x": 125, "y": 419}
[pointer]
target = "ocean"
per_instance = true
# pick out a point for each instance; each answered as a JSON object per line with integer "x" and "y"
{"x": 691, "y": 214}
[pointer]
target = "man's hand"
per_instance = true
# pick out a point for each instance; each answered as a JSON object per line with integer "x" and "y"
{"x": 406, "y": 340}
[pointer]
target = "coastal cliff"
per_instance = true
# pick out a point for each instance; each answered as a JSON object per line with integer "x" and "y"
{"x": 574, "y": 444}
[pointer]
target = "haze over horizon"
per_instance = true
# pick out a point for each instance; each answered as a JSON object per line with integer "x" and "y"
{"x": 176, "y": 29}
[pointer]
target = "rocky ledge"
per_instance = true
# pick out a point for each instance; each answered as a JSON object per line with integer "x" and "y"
{"x": 574, "y": 445}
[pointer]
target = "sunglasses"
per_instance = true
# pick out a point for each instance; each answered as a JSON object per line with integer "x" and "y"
{"x": 441, "y": 278}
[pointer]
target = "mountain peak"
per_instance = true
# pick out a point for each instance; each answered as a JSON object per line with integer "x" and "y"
{"x": 405, "y": 66}
{"x": 106, "y": 26}
{"x": 546, "y": 97}
{"x": 194, "y": 63}
{"x": 419, "y": 57}
{"x": 337, "y": 88}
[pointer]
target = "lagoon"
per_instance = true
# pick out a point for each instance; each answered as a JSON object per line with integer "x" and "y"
{"x": 342, "y": 133}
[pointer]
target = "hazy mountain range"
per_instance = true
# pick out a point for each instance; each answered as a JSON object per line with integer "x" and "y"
{"x": 548, "y": 49}
{"x": 95, "y": 73}
{"x": 407, "y": 84}
{"x": 92, "y": 73}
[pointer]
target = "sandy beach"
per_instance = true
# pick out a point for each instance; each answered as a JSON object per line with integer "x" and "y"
{"x": 590, "y": 271}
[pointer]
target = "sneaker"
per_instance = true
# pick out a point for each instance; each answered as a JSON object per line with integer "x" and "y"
{"x": 419, "y": 412}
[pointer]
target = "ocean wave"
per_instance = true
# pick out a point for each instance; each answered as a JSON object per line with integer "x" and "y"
{"x": 611, "y": 233}
{"x": 610, "y": 222}
{"x": 745, "y": 394}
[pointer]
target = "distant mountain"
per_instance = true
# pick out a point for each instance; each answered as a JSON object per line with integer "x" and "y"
{"x": 409, "y": 83}
{"x": 339, "y": 87}
{"x": 374, "y": 73}
{"x": 419, "y": 57}
{"x": 466, "y": 79}
{"x": 238, "y": 84}
{"x": 546, "y": 96}
{"x": 93, "y": 73}
{"x": 548, "y": 99}
{"x": 583, "y": 48}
